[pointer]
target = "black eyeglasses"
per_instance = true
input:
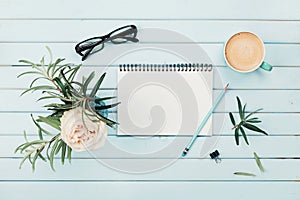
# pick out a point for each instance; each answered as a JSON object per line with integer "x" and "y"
{"x": 95, "y": 44}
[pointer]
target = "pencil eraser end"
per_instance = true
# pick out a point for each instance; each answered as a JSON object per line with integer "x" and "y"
{"x": 183, "y": 154}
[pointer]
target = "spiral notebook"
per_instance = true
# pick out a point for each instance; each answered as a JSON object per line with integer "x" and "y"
{"x": 168, "y": 99}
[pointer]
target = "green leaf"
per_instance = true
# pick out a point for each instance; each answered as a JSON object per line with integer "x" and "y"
{"x": 52, "y": 154}
{"x": 244, "y": 135}
{"x": 63, "y": 152}
{"x": 19, "y": 148}
{"x": 97, "y": 85}
{"x": 54, "y": 70}
{"x": 42, "y": 157}
{"x": 51, "y": 121}
{"x": 58, "y": 69}
{"x": 24, "y": 159}
{"x": 29, "y": 72}
{"x": 50, "y": 143}
{"x": 244, "y": 110}
{"x": 100, "y": 117}
{"x": 37, "y": 154}
{"x": 55, "y": 95}
{"x": 236, "y": 134}
{"x": 77, "y": 83}
{"x": 253, "y": 121}
{"x": 62, "y": 108}
{"x": 69, "y": 153}
{"x": 244, "y": 174}
{"x": 58, "y": 147}
{"x": 25, "y": 136}
{"x": 24, "y": 146}
{"x": 255, "y": 118}
{"x": 36, "y": 79}
{"x": 62, "y": 74}
{"x": 61, "y": 86}
{"x": 261, "y": 168}
{"x": 40, "y": 133}
{"x": 98, "y": 100}
{"x": 74, "y": 71}
{"x": 50, "y": 52}
{"x": 48, "y": 97}
{"x": 254, "y": 128}
{"x": 59, "y": 106}
{"x": 43, "y": 61}
{"x": 87, "y": 82}
{"x": 240, "y": 107}
{"x": 39, "y": 127}
{"x": 232, "y": 118}
{"x": 30, "y": 63}
{"x": 252, "y": 113}
{"x": 40, "y": 87}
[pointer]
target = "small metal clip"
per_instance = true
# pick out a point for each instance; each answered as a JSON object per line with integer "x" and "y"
{"x": 215, "y": 155}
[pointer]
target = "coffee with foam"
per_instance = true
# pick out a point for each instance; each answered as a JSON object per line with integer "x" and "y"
{"x": 244, "y": 51}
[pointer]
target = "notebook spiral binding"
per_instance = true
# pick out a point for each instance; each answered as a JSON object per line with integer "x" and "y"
{"x": 184, "y": 67}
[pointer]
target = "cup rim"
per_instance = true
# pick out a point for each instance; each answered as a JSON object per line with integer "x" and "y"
{"x": 264, "y": 51}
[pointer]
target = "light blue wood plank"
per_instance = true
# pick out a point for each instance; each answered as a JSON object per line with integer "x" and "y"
{"x": 197, "y": 30}
{"x": 273, "y": 123}
{"x": 269, "y": 100}
{"x": 184, "y": 176}
{"x": 151, "y": 190}
{"x": 181, "y": 170}
{"x": 233, "y": 9}
{"x": 276, "y": 54}
{"x": 171, "y": 147}
{"x": 13, "y": 101}
{"x": 255, "y": 80}
{"x": 287, "y": 124}
{"x": 10, "y": 81}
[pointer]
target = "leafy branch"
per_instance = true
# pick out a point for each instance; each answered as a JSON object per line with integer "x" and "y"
{"x": 34, "y": 150}
{"x": 70, "y": 94}
{"x": 246, "y": 121}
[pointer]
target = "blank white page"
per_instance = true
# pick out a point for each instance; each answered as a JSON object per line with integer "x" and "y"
{"x": 164, "y": 100}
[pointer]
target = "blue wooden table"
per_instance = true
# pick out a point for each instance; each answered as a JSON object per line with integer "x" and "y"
{"x": 26, "y": 27}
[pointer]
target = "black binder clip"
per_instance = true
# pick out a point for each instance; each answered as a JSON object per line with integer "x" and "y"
{"x": 215, "y": 155}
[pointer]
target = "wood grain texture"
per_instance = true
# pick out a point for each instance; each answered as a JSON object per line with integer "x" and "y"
{"x": 153, "y": 169}
{"x": 171, "y": 147}
{"x": 285, "y": 123}
{"x": 13, "y": 52}
{"x": 198, "y": 31}
{"x": 168, "y": 9}
{"x": 282, "y": 100}
{"x": 158, "y": 190}
{"x": 268, "y": 81}
{"x": 26, "y": 27}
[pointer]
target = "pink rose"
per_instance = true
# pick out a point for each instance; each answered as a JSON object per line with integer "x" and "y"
{"x": 80, "y": 132}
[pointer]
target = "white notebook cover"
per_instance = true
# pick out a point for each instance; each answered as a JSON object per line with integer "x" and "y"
{"x": 158, "y": 101}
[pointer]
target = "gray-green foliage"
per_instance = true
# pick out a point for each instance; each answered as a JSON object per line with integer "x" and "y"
{"x": 59, "y": 84}
{"x": 259, "y": 165}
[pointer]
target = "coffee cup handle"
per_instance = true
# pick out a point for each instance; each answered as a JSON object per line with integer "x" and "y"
{"x": 266, "y": 66}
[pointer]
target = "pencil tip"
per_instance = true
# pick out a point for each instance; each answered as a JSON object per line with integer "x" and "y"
{"x": 226, "y": 86}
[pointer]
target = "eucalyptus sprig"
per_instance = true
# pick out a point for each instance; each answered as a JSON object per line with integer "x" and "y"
{"x": 68, "y": 93}
{"x": 246, "y": 121}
